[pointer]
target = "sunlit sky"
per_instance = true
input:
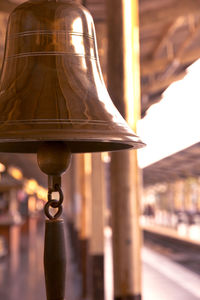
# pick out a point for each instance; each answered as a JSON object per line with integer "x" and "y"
{"x": 174, "y": 123}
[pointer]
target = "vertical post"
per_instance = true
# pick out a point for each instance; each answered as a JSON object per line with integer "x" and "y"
{"x": 74, "y": 208}
{"x": 97, "y": 229}
{"x": 75, "y": 198}
{"x": 124, "y": 88}
{"x": 79, "y": 199}
{"x": 82, "y": 211}
{"x": 85, "y": 221}
{"x": 68, "y": 184}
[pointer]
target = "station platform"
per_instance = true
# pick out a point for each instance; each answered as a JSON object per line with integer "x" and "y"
{"x": 21, "y": 277}
{"x": 164, "y": 279}
{"x": 190, "y": 234}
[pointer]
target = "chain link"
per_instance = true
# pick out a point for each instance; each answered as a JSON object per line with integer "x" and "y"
{"x": 54, "y": 203}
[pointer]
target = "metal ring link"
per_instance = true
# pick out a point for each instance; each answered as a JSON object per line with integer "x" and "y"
{"x": 56, "y": 203}
{"x": 52, "y": 203}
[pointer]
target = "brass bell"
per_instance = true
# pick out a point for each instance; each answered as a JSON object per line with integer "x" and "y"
{"x": 53, "y": 101}
{"x": 51, "y": 86}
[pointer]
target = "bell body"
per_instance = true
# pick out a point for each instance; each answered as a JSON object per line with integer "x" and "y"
{"x": 51, "y": 85}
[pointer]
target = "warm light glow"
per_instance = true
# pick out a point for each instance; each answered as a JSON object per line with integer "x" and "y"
{"x": 31, "y": 186}
{"x": 106, "y": 157}
{"x": 172, "y": 124}
{"x": 31, "y": 204}
{"x": 15, "y": 173}
{"x": 2, "y": 168}
{"x": 88, "y": 163}
{"x": 41, "y": 193}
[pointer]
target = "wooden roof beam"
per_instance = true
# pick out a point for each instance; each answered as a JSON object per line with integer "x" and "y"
{"x": 180, "y": 53}
{"x": 150, "y": 67}
{"x": 147, "y": 105}
{"x": 146, "y": 5}
{"x": 169, "y": 14}
{"x": 156, "y": 86}
{"x": 169, "y": 31}
{"x": 159, "y": 85}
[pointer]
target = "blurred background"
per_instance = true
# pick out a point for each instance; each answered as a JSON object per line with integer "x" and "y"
{"x": 132, "y": 221}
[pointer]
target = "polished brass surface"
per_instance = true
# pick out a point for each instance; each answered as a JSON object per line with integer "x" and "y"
{"x": 51, "y": 86}
{"x": 53, "y": 158}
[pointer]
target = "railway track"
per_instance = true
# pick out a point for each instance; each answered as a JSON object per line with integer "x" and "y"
{"x": 181, "y": 252}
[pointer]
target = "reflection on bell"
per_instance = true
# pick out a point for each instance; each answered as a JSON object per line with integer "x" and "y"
{"x": 51, "y": 84}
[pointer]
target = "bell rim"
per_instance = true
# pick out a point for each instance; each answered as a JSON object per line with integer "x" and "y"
{"x": 76, "y": 145}
{"x": 80, "y": 132}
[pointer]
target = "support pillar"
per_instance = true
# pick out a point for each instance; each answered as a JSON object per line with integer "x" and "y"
{"x": 97, "y": 229}
{"x": 85, "y": 231}
{"x": 77, "y": 189}
{"x": 124, "y": 88}
{"x": 74, "y": 204}
{"x": 81, "y": 211}
{"x": 68, "y": 204}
